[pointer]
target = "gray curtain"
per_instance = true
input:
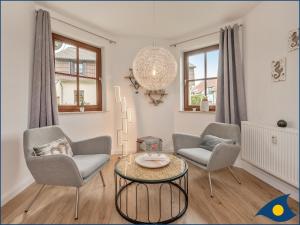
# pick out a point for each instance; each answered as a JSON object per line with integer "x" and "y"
{"x": 231, "y": 99}
{"x": 43, "y": 94}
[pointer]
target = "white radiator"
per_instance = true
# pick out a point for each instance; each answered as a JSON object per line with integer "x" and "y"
{"x": 272, "y": 149}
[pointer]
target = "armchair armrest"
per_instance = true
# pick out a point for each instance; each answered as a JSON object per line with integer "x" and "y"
{"x": 223, "y": 155}
{"x": 58, "y": 170}
{"x": 185, "y": 141}
{"x": 97, "y": 145}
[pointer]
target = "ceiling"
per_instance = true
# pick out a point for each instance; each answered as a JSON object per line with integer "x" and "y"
{"x": 172, "y": 20}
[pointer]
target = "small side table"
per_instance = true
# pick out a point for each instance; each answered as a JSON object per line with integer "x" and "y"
{"x": 138, "y": 188}
{"x": 139, "y": 141}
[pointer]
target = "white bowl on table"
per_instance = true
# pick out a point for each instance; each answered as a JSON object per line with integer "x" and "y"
{"x": 153, "y": 160}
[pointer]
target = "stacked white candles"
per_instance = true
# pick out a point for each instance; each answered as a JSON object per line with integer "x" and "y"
{"x": 120, "y": 137}
{"x": 117, "y": 93}
{"x": 124, "y": 105}
{"x": 126, "y": 116}
{"x": 125, "y": 126}
{"x": 129, "y": 115}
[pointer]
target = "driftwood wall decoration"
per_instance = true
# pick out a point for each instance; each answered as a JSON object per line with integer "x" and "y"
{"x": 278, "y": 69}
{"x": 133, "y": 81}
{"x": 156, "y": 96}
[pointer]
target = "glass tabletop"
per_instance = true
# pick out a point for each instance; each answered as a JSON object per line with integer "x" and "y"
{"x": 127, "y": 168}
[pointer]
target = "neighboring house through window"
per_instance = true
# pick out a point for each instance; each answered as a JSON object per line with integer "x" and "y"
{"x": 200, "y": 77}
{"x": 77, "y": 75}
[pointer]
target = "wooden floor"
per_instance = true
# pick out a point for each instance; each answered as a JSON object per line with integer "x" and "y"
{"x": 233, "y": 203}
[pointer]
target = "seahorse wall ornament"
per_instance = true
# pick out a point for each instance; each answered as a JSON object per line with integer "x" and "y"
{"x": 278, "y": 69}
{"x": 293, "y": 39}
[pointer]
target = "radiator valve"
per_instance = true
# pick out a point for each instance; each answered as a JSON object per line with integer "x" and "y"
{"x": 274, "y": 139}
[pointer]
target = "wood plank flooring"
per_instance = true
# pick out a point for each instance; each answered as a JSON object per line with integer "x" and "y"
{"x": 233, "y": 203}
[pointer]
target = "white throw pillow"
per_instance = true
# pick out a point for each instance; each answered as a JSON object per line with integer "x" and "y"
{"x": 59, "y": 146}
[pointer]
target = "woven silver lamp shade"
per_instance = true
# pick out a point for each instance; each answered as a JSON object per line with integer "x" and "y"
{"x": 154, "y": 68}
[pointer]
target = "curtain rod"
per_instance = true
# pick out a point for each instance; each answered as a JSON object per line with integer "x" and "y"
{"x": 198, "y": 37}
{"x": 79, "y": 28}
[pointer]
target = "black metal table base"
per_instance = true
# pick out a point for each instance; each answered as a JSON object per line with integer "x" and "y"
{"x": 180, "y": 183}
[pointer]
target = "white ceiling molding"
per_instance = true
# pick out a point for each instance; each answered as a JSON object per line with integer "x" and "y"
{"x": 174, "y": 19}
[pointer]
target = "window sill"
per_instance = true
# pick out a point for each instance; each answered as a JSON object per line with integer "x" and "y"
{"x": 85, "y": 112}
{"x": 187, "y": 111}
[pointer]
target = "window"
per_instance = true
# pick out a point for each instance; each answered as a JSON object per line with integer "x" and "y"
{"x": 77, "y": 75}
{"x": 200, "y": 77}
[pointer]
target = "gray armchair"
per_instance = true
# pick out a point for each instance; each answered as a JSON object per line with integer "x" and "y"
{"x": 222, "y": 156}
{"x": 89, "y": 157}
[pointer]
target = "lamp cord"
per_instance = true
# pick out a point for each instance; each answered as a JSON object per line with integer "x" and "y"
{"x": 154, "y": 22}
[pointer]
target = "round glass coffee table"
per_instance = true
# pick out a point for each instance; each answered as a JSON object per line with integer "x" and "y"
{"x": 144, "y": 195}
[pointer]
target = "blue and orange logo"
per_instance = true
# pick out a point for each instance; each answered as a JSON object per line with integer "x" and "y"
{"x": 277, "y": 209}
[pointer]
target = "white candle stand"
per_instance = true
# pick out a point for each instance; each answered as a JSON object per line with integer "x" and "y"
{"x": 122, "y": 132}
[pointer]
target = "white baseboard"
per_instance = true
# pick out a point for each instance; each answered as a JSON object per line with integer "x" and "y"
{"x": 14, "y": 191}
{"x": 269, "y": 179}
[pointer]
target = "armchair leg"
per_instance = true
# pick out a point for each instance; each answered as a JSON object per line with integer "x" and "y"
{"x": 210, "y": 185}
{"x": 234, "y": 175}
{"x": 101, "y": 175}
{"x": 76, "y": 203}
{"x": 33, "y": 200}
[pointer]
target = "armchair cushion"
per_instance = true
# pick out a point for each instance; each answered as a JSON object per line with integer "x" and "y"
{"x": 198, "y": 155}
{"x": 209, "y": 142}
{"x": 88, "y": 164}
{"x": 185, "y": 141}
{"x": 57, "y": 169}
{"x": 97, "y": 145}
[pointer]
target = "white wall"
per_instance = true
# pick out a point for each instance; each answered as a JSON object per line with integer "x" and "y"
{"x": 18, "y": 27}
{"x": 90, "y": 124}
{"x": 18, "y": 41}
{"x": 190, "y": 122}
{"x": 17, "y": 31}
{"x": 193, "y": 122}
{"x": 265, "y": 39}
{"x": 148, "y": 119}
{"x": 265, "y": 35}
{"x": 266, "y": 30}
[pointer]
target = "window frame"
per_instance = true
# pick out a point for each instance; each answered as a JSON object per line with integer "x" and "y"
{"x": 204, "y": 50}
{"x": 78, "y": 44}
